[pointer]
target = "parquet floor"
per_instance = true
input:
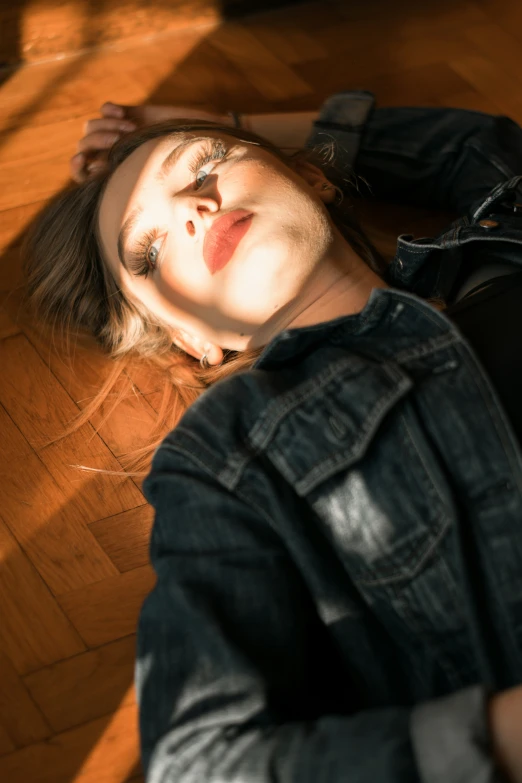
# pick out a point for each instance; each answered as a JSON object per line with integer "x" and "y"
{"x": 73, "y": 544}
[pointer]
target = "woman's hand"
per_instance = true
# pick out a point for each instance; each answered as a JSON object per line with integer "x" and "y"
{"x": 505, "y": 718}
{"x": 116, "y": 120}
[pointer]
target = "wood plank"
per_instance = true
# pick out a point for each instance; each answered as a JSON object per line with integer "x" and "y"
{"x": 6, "y": 743}
{"x": 140, "y": 70}
{"x": 207, "y": 77}
{"x": 384, "y": 222}
{"x": 53, "y": 92}
{"x": 473, "y": 100}
{"x": 11, "y": 274}
{"x": 26, "y": 724}
{"x": 34, "y": 631}
{"x": 404, "y": 19}
{"x": 147, "y": 377}
{"x": 104, "y": 494}
{"x": 82, "y": 368}
{"x": 289, "y": 44}
{"x": 14, "y": 221}
{"x": 125, "y": 537}
{"x": 485, "y": 75}
{"x": 74, "y": 463}
{"x": 79, "y": 364}
{"x": 39, "y": 161}
{"x": 101, "y": 751}
{"x": 269, "y": 75}
{"x": 126, "y": 427}
{"x": 506, "y": 14}
{"x": 40, "y": 93}
{"x": 87, "y": 686}
{"x": 109, "y": 609}
{"x": 27, "y": 183}
{"x": 42, "y": 410}
{"x": 50, "y": 93}
{"x": 28, "y": 145}
{"x": 423, "y": 85}
{"x": 50, "y": 30}
{"x": 498, "y": 46}
{"x": 50, "y": 528}
{"x": 8, "y": 328}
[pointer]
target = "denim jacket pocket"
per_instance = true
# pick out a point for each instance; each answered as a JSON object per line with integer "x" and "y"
{"x": 340, "y": 417}
{"x": 391, "y": 519}
{"x": 389, "y": 512}
{"x": 362, "y": 464}
{"x": 367, "y": 471}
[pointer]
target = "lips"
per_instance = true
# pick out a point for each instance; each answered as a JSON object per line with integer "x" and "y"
{"x": 223, "y": 237}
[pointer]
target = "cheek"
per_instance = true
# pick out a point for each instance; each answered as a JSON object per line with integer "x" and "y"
{"x": 277, "y": 262}
{"x": 181, "y": 272}
{"x": 293, "y": 204}
{"x": 183, "y": 280}
{"x": 259, "y": 179}
{"x": 167, "y": 305}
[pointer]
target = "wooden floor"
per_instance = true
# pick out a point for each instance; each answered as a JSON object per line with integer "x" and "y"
{"x": 73, "y": 545}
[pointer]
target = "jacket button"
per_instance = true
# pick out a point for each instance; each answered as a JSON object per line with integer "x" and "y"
{"x": 488, "y": 224}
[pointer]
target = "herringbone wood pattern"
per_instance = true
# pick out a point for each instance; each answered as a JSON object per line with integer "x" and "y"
{"x": 73, "y": 544}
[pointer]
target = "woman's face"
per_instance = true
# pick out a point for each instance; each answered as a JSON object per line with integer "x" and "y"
{"x": 214, "y": 235}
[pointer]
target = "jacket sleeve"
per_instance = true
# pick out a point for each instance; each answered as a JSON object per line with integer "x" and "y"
{"x": 436, "y": 158}
{"x": 228, "y": 659}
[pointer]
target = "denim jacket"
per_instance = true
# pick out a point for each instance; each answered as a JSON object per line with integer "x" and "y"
{"x": 338, "y": 541}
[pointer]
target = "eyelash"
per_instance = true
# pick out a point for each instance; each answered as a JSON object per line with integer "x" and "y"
{"x": 214, "y": 149}
{"x": 139, "y": 263}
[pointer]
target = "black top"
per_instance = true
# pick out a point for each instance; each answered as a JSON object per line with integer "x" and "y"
{"x": 490, "y": 317}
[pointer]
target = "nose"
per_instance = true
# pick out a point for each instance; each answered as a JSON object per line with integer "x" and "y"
{"x": 199, "y": 210}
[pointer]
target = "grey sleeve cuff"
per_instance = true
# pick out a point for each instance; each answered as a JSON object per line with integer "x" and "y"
{"x": 450, "y": 738}
{"x": 343, "y": 118}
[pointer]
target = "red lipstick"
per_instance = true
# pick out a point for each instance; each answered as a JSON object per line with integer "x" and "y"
{"x": 223, "y": 237}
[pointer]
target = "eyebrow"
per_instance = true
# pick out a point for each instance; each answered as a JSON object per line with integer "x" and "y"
{"x": 126, "y": 230}
{"x": 131, "y": 222}
{"x": 173, "y": 157}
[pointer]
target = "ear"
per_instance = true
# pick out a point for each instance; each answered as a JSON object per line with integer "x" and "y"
{"x": 196, "y": 347}
{"x": 314, "y": 177}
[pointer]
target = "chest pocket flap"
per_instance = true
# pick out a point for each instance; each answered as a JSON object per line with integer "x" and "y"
{"x": 331, "y": 426}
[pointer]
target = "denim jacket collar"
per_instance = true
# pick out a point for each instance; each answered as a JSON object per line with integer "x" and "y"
{"x": 293, "y": 343}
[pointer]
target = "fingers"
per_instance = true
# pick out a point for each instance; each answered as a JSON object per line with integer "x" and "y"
{"x": 81, "y": 167}
{"x": 77, "y": 168}
{"x": 115, "y": 110}
{"x": 101, "y": 134}
{"x": 118, "y": 111}
{"x": 95, "y": 142}
{"x": 98, "y": 137}
{"x": 107, "y": 124}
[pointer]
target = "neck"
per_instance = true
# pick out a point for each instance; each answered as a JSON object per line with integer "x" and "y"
{"x": 347, "y": 294}
{"x": 340, "y": 286}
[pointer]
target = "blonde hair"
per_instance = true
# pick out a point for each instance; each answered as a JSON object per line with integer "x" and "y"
{"x": 69, "y": 285}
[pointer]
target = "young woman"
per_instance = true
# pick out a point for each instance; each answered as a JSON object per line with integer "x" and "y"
{"x": 338, "y": 538}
